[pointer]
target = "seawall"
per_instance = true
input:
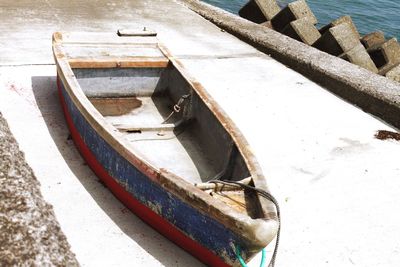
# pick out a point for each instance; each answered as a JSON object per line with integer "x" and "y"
{"x": 373, "y": 93}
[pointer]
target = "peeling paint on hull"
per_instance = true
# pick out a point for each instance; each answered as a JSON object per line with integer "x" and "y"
{"x": 202, "y": 236}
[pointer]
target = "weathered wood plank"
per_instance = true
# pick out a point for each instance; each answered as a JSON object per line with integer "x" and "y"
{"x": 86, "y": 63}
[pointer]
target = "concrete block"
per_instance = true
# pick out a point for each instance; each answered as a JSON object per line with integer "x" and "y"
{"x": 338, "y": 40}
{"x": 336, "y": 22}
{"x": 268, "y": 7}
{"x": 373, "y": 39}
{"x": 259, "y": 11}
{"x": 394, "y": 74}
{"x": 386, "y": 55}
{"x": 252, "y": 12}
{"x": 293, "y": 11}
{"x": 302, "y": 30}
{"x": 359, "y": 56}
{"x": 267, "y": 24}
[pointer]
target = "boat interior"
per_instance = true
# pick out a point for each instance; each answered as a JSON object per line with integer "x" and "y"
{"x": 163, "y": 118}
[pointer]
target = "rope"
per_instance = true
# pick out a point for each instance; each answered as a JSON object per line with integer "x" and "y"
{"x": 268, "y": 196}
{"x": 177, "y": 107}
{"x": 239, "y": 256}
{"x": 243, "y": 263}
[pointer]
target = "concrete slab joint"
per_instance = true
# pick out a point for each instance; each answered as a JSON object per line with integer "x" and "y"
{"x": 293, "y": 11}
{"x": 302, "y": 30}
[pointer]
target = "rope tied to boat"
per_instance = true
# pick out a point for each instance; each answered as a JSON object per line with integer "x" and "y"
{"x": 271, "y": 198}
{"x": 177, "y": 107}
{"x": 243, "y": 263}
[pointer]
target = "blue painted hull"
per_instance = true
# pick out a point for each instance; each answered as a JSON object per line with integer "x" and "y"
{"x": 206, "y": 232}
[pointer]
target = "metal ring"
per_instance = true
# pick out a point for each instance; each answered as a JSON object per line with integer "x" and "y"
{"x": 177, "y": 108}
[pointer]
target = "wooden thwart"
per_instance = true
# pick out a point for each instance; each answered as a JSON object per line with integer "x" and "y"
{"x": 111, "y": 108}
{"x": 86, "y": 63}
{"x": 155, "y": 127}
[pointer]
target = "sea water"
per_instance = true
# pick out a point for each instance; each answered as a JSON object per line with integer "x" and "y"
{"x": 368, "y": 15}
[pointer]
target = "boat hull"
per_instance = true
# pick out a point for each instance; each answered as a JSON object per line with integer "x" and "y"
{"x": 200, "y": 235}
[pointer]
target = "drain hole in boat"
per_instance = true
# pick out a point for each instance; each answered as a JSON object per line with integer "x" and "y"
{"x": 134, "y": 131}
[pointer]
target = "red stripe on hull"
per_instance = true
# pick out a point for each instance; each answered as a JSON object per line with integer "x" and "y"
{"x": 146, "y": 214}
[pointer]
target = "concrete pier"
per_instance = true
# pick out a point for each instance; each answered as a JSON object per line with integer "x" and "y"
{"x": 337, "y": 184}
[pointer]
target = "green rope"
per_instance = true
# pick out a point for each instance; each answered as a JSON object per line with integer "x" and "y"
{"x": 263, "y": 253}
{"x": 239, "y": 256}
{"x": 243, "y": 263}
{"x": 268, "y": 196}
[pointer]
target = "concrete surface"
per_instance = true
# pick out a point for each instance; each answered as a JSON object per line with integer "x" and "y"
{"x": 252, "y": 12}
{"x": 394, "y": 74}
{"x": 293, "y": 11}
{"x": 336, "y": 22}
{"x": 302, "y": 30}
{"x": 373, "y": 39}
{"x": 259, "y": 11}
{"x": 100, "y": 230}
{"x": 337, "y": 184}
{"x": 373, "y": 93}
{"x": 338, "y": 40}
{"x": 29, "y": 232}
{"x": 386, "y": 55}
{"x": 358, "y": 55}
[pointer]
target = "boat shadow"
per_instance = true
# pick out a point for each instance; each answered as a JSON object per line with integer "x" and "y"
{"x": 168, "y": 254}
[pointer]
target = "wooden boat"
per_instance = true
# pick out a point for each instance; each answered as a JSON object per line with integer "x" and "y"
{"x": 156, "y": 138}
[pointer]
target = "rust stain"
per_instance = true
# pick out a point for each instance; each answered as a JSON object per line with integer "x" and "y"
{"x": 385, "y": 135}
{"x": 13, "y": 88}
{"x": 115, "y": 106}
{"x": 24, "y": 94}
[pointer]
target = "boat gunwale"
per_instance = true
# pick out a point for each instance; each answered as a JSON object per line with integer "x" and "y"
{"x": 241, "y": 224}
{"x": 240, "y": 141}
